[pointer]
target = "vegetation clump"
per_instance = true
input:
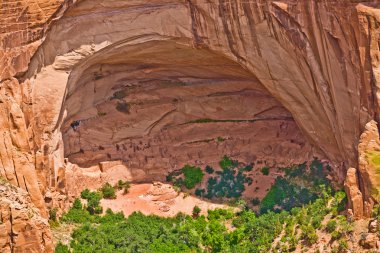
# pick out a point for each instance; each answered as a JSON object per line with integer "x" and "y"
{"x": 123, "y": 185}
{"x": 265, "y": 171}
{"x": 93, "y": 200}
{"x": 295, "y": 223}
{"x": 108, "y": 191}
{"x": 193, "y": 176}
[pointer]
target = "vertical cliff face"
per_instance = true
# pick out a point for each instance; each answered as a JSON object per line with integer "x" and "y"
{"x": 307, "y": 71}
{"x": 21, "y": 227}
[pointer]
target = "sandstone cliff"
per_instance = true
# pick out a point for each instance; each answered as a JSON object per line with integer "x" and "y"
{"x": 154, "y": 82}
{"x": 22, "y": 229}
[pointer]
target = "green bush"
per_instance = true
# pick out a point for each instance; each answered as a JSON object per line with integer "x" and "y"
{"x": 248, "y": 168}
{"x": 108, "y": 191}
{"x": 196, "y": 211}
{"x": 93, "y": 201}
{"x": 226, "y": 163}
{"x": 343, "y": 245}
{"x": 193, "y": 176}
{"x": 85, "y": 194}
{"x": 335, "y": 235}
{"x": 220, "y": 139}
{"x": 265, "y": 171}
{"x": 248, "y": 180}
{"x": 209, "y": 169}
{"x": 309, "y": 234}
{"x": 61, "y": 248}
{"x": 53, "y": 214}
{"x": 122, "y": 185}
{"x": 256, "y": 201}
{"x": 77, "y": 204}
{"x": 331, "y": 226}
{"x": 199, "y": 192}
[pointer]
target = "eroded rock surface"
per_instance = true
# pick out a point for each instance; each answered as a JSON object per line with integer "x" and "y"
{"x": 362, "y": 185}
{"x": 22, "y": 228}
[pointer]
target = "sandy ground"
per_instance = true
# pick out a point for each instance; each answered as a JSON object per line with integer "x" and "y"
{"x": 157, "y": 198}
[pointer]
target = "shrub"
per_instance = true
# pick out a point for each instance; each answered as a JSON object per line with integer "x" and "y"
{"x": 53, "y": 214}
{"x": 193, "y": 176}
{"x": 220, "y": 139}
{"x": 108, "y": 191}
{"x": 61, "y": 248}
{"x": 199, "y": 192}
{"x": 343, "y": 245}
{"x": 256, "y": 201}
{"x": 123, "y": 185}
{"x": 93, "y": 201}
{"x": 248, "y": 168}
{"x": 331, "y": 226}
{"x": 248, "y": 180}
{"x": 309, "y": 234}
{"x": 225, "y": 163}
{"x": 196, "y": 211}
{"x": 169, "y": 178}
{"x": 77, "y": 216}
{"x": 335, "y": 235}
{"x": 77, "y": 204}
{"x": 85, "y": 194}
{"x": 209, "y": 169}
{"x": 265, "y": 171}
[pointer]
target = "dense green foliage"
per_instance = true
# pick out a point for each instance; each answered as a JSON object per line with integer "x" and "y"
{"x": 227, "y": 184}
{"x": 301, "y": 199}
{"x": 196, "y": 211}
{"x": 299, "y": 186}
{"x": 265, "y": 171}
{"x": 227, "y": 163}
{"x": 108, "y": 191}
{"x": 193, "y": 176}
{"x": 250, "y": 233}
{"x": 60, "y": 248}
{"x": 209, "y": 169}
{"x": 93, "y": 200}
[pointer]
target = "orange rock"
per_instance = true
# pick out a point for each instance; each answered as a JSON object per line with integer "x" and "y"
{"x": 21, "y": 219}
{"x": 354, "y": 196}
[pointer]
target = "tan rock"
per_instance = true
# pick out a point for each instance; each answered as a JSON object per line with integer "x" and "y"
{"x": 21, "y": 219}
{"x": 369, "y": 241}
{"x": 373, "y": 226}
{"x": 354, "y": 195}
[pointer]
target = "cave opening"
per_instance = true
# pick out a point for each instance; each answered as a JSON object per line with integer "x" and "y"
{"x": 160, "y": 105}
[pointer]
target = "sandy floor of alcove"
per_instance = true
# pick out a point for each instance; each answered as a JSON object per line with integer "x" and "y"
{"x": 157, "y": 198}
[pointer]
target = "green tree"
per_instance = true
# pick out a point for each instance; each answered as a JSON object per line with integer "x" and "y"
{"x": 108, "y": 191}
{"x": 61, "y": 248}
{"x": 196, "y": 211}
{"x": 193, "y": 176}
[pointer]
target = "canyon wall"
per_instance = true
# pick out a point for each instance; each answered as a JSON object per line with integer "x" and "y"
{"x": 160, "y": 83}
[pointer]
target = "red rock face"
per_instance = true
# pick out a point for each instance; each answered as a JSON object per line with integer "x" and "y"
{"x": 278, "y": 81}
